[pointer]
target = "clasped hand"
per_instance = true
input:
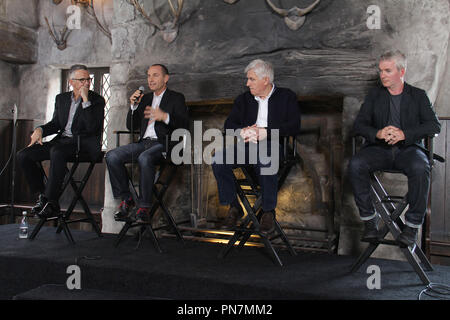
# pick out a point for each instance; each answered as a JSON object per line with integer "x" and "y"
{"x": 253, "y": 134}
{"x": 391, "y": 135}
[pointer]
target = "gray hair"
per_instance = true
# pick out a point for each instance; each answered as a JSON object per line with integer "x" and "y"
{"x": 261, "y": 68}
{"x": 397, "y": 56}
{"x": 75, "y": 68}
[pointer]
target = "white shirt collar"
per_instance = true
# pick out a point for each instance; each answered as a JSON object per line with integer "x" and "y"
{"x": 268, "y": 96}
{"x": 162, "y": 93}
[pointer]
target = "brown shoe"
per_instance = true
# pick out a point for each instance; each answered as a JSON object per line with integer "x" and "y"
{"x": 267, "y": 222}
{"x": 234, "y": 214}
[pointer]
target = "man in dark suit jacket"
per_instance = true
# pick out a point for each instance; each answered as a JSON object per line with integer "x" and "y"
{"x": 157, "y": 115}
{"x": 256, "y": 113}
{"x": 78, "y": 117}
{"x": 393, "y": 119}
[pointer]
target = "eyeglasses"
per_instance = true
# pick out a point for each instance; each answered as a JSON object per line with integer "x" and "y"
{"x": 84, "y": 80}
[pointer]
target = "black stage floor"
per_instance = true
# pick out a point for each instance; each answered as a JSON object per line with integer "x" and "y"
{"x": 191, "y": 271}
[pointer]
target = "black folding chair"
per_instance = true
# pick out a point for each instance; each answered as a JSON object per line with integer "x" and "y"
{"x": 249, "y": 187}
{"x": 63, "y": 218}
{"x": 166, "y": 168}
{"x": 390, "y": 208}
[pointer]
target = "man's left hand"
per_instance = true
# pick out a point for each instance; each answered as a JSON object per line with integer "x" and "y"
{"x": 395, "y": 135}
{"x": 84, "y": 92}
{"x": 258, "y": 134}
{"x": 157, "y": 115}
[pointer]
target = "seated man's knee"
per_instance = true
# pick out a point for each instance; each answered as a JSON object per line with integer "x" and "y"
{"x": 56, "y": 152}
{"x": 22, "y": 156}
{"x": 112, "y": 157}
{"x": 356, "y": 164}
{"x": 418, "y": 168}
{"x": 146, "y": 159}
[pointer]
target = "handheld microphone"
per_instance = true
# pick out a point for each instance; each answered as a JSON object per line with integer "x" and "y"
{"x": 141, "y": 91}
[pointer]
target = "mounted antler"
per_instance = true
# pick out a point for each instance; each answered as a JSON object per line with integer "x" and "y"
{"x": 88, "y": 5}
{"x": 105, "y": 29}
{"x": 294, "y": 17}
{"x": 169, "y": 29}
{"x": 61, "y": 38}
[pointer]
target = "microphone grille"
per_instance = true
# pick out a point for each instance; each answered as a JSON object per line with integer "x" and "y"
{"x": 142, "y": 88}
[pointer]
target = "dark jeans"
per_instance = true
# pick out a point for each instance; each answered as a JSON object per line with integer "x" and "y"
{"x": 147, "y": 154}
{"x": 58, "y": 151}
{"x": 226, "y": 180}
{"x": 411, "y": 160}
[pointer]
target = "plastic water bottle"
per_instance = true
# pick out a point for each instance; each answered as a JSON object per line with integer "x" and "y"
{"x": 23, "y": 232}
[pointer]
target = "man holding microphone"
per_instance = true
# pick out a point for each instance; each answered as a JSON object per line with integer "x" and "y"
{"x": 156, "y": 115}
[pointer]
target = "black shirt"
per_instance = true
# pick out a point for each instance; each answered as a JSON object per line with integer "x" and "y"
{"x": 394, "y": 110}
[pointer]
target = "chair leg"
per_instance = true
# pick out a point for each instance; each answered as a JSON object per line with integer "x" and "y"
{"x": 171, "y": 222}
{"x": 37, "y": 228}
{"x": 417, "y": 268}
{"x": 269, "y": 247}
{"x": 122, "y": 233}
{"x": 66, "y": 230}
{"x": 284, "y": 238}
{"x": 363, "y": 257}
{"x": 224, "y": 252}
{"x": 153, "y": 236}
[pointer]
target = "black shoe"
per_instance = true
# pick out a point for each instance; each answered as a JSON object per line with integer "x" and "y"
{"x": 408, "y": 237}
{"x": 50, "y": 210}
{"x": 267, "y": 224}
{"x": 143, "y": 215}
{"x": 234, "y": 214}
{"x": 370, "y": 230}
{"x": 124, "y": 209}
{"x": 40, "y": 204}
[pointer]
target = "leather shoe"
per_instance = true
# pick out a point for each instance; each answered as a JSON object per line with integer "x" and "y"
{"x": 50, "y": 210}
{"x": 267, "y": 222}
{"x": 370, "y": 230}
{"x": 408, "y": 236}
{"x": 124, "y": 209}
{"x": 234, "y": 214}
{"x": 42, "y": 201}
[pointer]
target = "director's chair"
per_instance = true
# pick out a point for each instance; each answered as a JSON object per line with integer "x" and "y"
{"x": 168, "y": 169}
{"x": 248, "y": 187}
{"x": 63, "y": 218}
{"x": 390, "y": 208}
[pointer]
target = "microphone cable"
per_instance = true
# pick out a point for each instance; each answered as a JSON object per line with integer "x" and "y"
{"x": 435, "y": 290}
{"x": 14, "y": 143}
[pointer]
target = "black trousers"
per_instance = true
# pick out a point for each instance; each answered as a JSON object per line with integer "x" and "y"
{"x": 223, "y": 172}
{"x": 58, "y": 151}
{"x": 411, "y": 160}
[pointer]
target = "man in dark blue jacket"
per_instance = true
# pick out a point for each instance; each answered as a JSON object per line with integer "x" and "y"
{"x": 255, "y": 114}
{"x": 393, "y": 119}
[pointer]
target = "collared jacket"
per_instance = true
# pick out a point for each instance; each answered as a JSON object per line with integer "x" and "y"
{"x": 87, "y": 122}
{"x": 283, "y": 112}
{"x": 417, "y": 116}
{"x": 172, "y": 103}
